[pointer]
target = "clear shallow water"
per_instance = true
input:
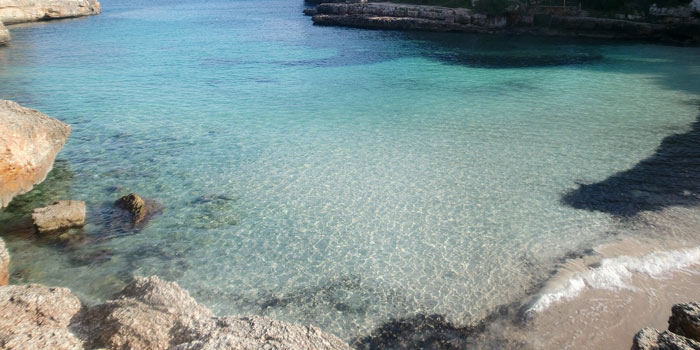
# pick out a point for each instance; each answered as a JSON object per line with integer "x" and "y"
{"x": 350, "y": 176}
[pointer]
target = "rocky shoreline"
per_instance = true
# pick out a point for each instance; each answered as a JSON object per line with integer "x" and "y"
{"x": 392, "y": 16}
{"x": 24, "y": 11}
{"x": 148, "y": 313}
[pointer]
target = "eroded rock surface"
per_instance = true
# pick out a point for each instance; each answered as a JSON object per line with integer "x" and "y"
{"x": 685, "y": 320}
{"x": 59, "y": 215}
{"x": 653, "y": 339}
{"x": 21, "y": 11}
{"x": 29, "y": 142}
{"x": 38, "y": 317}
{"x": 4, "y": 264}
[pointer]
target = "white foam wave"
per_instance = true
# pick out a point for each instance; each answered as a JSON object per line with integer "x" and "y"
{"x": 616, "y": 273}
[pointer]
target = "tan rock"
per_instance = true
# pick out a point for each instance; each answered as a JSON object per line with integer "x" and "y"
{"x": 59, "y": 215}
{"x": 4, "y": 264}
{"x": 29, "y": 142}
{"x": 21, "y": 11}
{"x": 4, "y": 35}
{"x": 37, "y": 317}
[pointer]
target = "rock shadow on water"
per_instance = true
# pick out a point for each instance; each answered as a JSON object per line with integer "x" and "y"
{"x": 669, "y": 177}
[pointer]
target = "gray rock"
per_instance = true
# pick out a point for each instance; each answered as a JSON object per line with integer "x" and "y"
{"x": 29, "y": 142}
{"x": 653, "y": 339}
{"x": 58, "y": 216}
{"x": 4, "y": 35}
{"x": 4, "y": 264}
{"x": 38, "y": 317}
{"x": 21, "y": 11}
{"x": 685, "y": 320}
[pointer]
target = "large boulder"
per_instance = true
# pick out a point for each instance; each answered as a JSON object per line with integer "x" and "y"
{"x": 142, "y": 316}
{"x": 59, "y": 216}
{"x": 38, "y": 317}
{"x": 4, "y": 35}
{"x": 153, "y": 314}
{"x": 4, "y": 264}
{"x": 685, "y": 320}
{"x": 653, "y": 339}
{"x": 29, "y": 142}
{"x": 20, "y": 11}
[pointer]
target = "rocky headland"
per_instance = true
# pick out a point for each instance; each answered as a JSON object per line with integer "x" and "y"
{"x": 23, "y": 11}
{"x": 670, "y": 25}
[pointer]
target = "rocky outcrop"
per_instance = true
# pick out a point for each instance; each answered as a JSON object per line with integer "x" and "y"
{"x": 4, "y": 264}
{"x": 58, "y": 216}
{"x": 406, "y": 17}
{"x": 685, "y": 320}
{"x": 149, "y": 313}
{"x": 21, "y": 11}
{"x": 4, "y": 35}
{"x": 38, "y": 317}
{"x": 434, "y": 18}
{"x": 29, "y": 142}
{"x": 653, "y": 339}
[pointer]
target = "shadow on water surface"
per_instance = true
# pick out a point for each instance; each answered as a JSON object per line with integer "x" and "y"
{"x": 669, "y": 177}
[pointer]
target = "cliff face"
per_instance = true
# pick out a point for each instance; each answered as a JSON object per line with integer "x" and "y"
{"x": 4, "y": 34}
{"x": 29, "y": 142}
{"x": 21, "y": 11}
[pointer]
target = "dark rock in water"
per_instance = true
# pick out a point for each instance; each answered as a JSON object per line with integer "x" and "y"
{"x": 653, "y": 339}
{"x": 133, "y": 211}
{"x": 310, "y": 12}
{"x": 58, "y": 216}
{"x": 95, "y": 257}
{"x": 685, "y": 320}
{"x": 212, "y": 197}
{"x": 113, "y": 189}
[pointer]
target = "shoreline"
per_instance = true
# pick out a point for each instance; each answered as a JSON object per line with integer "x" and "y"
{"x": 399, "y": 16}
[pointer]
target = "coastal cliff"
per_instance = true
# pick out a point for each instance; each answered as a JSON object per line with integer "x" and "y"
{"x": 21, "y": 11}
{"x": 386, "y": 15}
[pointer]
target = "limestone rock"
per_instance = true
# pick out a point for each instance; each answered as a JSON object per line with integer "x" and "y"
{"x": 37, "y": 317}
{"x": 685, "y": 320}
{"x": 653, "y": 339}
{"x": 59, "y": 216}
{"x": 4, "y": 264}
{"x": 142, "y": 316}
{"x": 29, "y": 142}
{"x": 20, "y": 11}
{"x": 4, "y": 35}
{"x": 256, "y": 332}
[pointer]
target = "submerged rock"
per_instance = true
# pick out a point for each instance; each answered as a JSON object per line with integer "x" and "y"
{"x": 21, "y": 11}
{"x": 4, "y": 264}
{"x": 685, "y": 320}
{"x": 59, "y": 215}
{"x": 134, "y": 210}
{"x": 38, "y": 317}
{"x": 4, "y": 34}
{"x": 29, "y": 142}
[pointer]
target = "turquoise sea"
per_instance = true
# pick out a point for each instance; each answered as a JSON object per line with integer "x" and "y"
{"x": 342, "y": 177}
